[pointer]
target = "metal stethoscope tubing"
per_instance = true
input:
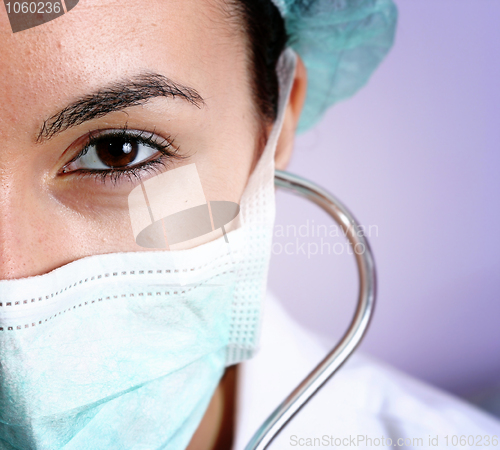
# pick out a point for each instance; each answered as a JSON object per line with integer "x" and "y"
{"x": 357, "y": 329}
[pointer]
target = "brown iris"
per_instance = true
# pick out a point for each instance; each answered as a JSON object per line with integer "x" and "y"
{"x": 116, "y": 152}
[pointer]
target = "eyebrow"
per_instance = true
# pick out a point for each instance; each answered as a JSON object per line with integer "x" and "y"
{"x": 116, "y": 97}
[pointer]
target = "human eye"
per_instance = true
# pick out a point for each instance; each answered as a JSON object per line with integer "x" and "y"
{"x": 114, "y": 155}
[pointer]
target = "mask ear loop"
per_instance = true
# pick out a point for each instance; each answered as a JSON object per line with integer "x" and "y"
{"x": 358, "y": 327}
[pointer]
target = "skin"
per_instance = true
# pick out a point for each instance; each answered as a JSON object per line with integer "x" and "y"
{"x": 49, "y": 219}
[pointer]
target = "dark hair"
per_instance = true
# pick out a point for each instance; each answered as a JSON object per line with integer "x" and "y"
{"x": 267, "y": 38}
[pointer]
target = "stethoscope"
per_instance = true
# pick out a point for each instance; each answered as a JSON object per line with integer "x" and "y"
{"x": 359, "y": 324}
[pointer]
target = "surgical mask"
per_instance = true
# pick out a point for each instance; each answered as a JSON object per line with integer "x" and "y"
{"x": 125, "y": 350}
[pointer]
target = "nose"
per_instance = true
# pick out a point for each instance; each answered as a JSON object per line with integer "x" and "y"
{"x": 26, "y": 228}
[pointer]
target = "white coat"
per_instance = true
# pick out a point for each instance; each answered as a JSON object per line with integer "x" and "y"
{"x": 367, "y": 404}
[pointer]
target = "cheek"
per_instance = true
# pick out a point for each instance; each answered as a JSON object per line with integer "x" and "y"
{"x": 226, "y": 155}
{"x": 224, "y": 175}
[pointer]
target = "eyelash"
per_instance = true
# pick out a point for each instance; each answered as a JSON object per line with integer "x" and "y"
{"x": 166, "y": 147}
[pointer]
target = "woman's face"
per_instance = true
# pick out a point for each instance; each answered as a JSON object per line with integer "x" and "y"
{"x": 162, "y": 74}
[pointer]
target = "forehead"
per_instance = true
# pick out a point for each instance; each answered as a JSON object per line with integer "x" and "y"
{"x": 189, "y": 41}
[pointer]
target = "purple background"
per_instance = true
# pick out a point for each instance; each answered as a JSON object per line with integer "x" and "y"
{"x": 416, "y": 154}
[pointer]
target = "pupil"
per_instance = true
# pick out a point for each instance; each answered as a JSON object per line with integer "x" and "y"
{"x": 116, "y": 152}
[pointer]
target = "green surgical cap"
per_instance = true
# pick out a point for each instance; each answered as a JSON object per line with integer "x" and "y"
{"x": 341, "y": 43}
